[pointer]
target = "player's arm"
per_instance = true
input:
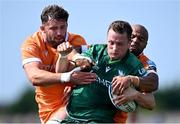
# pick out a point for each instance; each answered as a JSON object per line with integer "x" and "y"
{"x": 67, "y": 52}
{"x": 148, "y": 83}
{"x": 40, "y": 77}
{"x": 145, "y": 100}
{"x": 62, "y": 64}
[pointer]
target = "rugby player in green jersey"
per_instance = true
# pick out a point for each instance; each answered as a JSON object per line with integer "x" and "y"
{"x": 91, "y": 103}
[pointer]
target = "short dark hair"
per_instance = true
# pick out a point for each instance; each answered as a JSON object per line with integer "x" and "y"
{"x": 121, "y": 27}
{"x": 54, "y": 12}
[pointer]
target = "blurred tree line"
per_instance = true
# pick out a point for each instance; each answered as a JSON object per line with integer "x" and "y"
{"x": 166, "y": 99}
{"x": 26, "y": 104}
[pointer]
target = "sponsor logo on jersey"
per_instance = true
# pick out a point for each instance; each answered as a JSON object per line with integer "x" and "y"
{"x": 50, "y": 68}
{"x": 103, "y": 81}
{"x": 29, "y": 49}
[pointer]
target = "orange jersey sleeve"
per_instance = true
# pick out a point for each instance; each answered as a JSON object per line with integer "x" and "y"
{"x": 148, "y": 64}
{"x": 76, "y": 40}
{"x": 30, "y": 50}
{"x": 34, "y": 48}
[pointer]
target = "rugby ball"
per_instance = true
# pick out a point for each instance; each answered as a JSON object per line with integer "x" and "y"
{"x": 126, "y": 107}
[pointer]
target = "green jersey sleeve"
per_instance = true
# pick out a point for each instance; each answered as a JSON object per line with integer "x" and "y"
{"x": 95, "y": 52}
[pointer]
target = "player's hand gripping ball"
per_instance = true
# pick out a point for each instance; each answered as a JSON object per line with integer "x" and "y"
{"x": 126, "y": 107}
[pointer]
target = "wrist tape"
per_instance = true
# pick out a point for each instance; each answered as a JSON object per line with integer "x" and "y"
{"x": 65, "y": 77}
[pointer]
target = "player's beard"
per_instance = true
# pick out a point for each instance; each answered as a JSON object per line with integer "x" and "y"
{"x": 52, "y": 41}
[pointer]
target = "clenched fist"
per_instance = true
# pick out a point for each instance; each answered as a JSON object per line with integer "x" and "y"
{"x": 84, "y": 64}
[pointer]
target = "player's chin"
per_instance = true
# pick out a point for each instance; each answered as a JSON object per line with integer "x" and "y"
{"x": 54, "y": 45}
{"x": 59, "y": 41}
{"x": 114, "y": 57}
{"x": 134, "y": 51}
{"x": 132, "y": 48}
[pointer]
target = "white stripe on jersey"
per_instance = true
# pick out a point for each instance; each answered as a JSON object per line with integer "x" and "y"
{"x": 25, "y": 61}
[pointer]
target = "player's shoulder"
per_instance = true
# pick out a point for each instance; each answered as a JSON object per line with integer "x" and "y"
{"x": 148, "y": 63}
{"x": 132, "y": 63}
{"x": 34, "y": 38}
{"x": 99, "y": 46}
{"x": 96, "y": 51}
{"x": 32, "y": 45}
{"x": 75, "y": 39}
{"x": 143, "y": 57}
{"x": 99, "y": 49}
{"x": 133, "y": 60}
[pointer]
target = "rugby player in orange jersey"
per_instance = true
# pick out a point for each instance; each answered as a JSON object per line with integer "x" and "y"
{"x": 39, "y": 56}
{"x": 139, "y": 41}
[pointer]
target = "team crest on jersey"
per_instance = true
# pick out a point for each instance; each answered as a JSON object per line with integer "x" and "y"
{"x": 108, "y": 69}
